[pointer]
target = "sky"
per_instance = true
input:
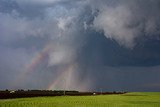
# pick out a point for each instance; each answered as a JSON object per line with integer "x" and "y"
{"x": 84, "y": 45}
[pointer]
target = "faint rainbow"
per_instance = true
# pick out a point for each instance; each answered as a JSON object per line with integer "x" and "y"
{"x": 39, "y": 57}
{"x": 62, "y": 78}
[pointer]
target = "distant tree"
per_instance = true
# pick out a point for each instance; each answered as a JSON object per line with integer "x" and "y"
{"x": 114, "y": 92}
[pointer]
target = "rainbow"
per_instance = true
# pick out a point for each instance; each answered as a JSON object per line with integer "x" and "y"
{"x": 69, "y": 80}
{"x": 63, "y": 81}
{"x": 39, "y": 57}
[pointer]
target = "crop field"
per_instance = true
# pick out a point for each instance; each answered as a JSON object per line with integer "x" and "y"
{"x": 135, "y": 99}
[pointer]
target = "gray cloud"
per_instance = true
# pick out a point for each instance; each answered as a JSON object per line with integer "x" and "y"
{"x": 44, "y": 41}
{"x": 128, "y": 20}
{"x": 56, "y": 55}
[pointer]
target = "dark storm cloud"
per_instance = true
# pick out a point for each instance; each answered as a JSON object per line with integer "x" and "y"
{"x": 126, "y": 78}
{"x": 7, "y": 6}
{"x": 89, "y": 42}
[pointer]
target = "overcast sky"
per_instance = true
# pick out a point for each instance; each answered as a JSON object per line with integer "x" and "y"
{"x": 82, "y": 45}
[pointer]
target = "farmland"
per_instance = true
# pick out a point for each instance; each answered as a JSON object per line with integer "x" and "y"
{"x": 135, "y": 99}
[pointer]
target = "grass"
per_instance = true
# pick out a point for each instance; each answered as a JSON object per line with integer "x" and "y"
{"x": 136, "y": 99}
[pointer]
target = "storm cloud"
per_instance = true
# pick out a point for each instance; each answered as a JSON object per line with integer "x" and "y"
{"x": 79, "y": 45}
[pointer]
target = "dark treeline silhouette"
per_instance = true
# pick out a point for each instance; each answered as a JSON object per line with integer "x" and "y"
{"x": 37, "y": 93}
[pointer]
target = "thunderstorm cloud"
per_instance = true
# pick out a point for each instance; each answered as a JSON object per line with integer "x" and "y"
{"x": 80, "y": 45}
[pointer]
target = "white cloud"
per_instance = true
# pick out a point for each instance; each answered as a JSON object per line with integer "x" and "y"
{"x": 13, "y": 27}
{"x": 113, "y": 21}
{"x": 61, "y": 55}
{"x": 128, "y": 21}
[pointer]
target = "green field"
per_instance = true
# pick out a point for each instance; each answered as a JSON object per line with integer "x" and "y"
{"x": 136, "y": 99}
